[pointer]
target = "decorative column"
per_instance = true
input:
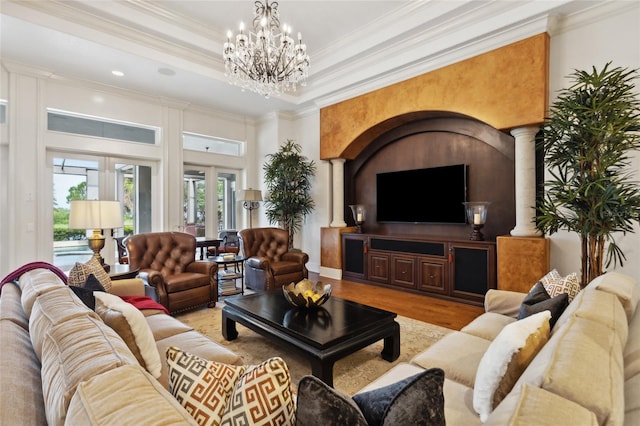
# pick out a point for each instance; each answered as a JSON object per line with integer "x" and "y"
{"x": 338, "y": 192}
{"x": 525, "y": 182}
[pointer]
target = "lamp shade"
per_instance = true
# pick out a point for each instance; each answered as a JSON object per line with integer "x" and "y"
{"x": 95, "y": 214}
{"x": 251, "y": 195}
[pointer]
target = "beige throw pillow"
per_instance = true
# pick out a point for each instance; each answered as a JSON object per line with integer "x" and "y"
{"x": 132, "y": 327}
{"x": 506, "y": 358}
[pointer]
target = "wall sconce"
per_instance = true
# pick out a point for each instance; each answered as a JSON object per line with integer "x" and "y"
{"x": 96, "y": 215}
{"x": 359, "y": 215}
{"x": 251, "y": 200}
{"x": 477, "y": 216}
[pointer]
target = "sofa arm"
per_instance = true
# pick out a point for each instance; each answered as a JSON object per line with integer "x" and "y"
{"x": 503, "y": 302}
{"x": 296, "y": 256}
{"x": 128, "y": 287}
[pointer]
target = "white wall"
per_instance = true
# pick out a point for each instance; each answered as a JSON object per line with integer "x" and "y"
{"x": 585, "y": 44}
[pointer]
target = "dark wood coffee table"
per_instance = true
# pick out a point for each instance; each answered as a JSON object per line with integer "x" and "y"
{"x": 339, "y": 328}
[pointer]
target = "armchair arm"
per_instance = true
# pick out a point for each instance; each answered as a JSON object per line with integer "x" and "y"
{"x": 296, "y": 256}
{"x": 128, "y": 287}
{"x": 259, "y": 263}
{"x": 503, "y": 302}
{"x": 156, "y": 280}
{"x": 207, "y": 268}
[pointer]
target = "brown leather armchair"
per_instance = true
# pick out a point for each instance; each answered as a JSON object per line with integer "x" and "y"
{"x": 167, "y": 261}
{"x": 269, "y": 263}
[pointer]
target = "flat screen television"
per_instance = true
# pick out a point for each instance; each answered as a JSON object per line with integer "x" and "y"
{"x": 430, "y": 195}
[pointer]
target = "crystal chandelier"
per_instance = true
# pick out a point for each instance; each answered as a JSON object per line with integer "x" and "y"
{"x": 266, "y": 60}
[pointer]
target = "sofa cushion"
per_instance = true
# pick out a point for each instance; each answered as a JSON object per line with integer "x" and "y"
{"x": 632, "y": 401}
{"x": 458, "y": 354}
{"x": 487, "y": 325}
{"x": 623, "y": 286}
{"x": 604, "y": 308}
{"x": 531, "y": 405}
{"x": 10, "y": 306}
{"x": 52, "y": 308}
{"x": 538, "y": 300}
{"x": 595, "y": 382}
{"x": 79, "y": 274}
{"x": 107, "y": 398}
{"x": 215, "y": 393}
{"x": 505, "y": 360}
{"x": 33, "y": 284}
{"x": 19, "y": 375}
{"x": 631, "y": 351}
{"x": 196, "y": 344}
{"x": 163, "y": 326}
{"x": 318, "y": 404}
{"x": 75, "y": 351}
{"x": 417, "y": 399}
{"x": 132, "y": 327}
{"x": 556, "y": 284}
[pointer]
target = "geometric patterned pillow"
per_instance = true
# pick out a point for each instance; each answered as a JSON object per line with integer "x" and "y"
{"x": 556, "y": 284}
{"x": 262, "y": 396}
{"x": 220, "y": 394}
{"x": 202, "y": 387}
{"x": 80, "y": 272}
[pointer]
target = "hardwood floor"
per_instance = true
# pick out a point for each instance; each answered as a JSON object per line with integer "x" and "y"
{"x": 441, "y": 312}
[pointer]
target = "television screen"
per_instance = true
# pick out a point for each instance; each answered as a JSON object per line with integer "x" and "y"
{"x": 431, "y": 195}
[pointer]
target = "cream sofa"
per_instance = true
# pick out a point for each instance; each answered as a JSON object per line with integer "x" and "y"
{"x": 588, "y": 373}
{"x": 61, "y": 364}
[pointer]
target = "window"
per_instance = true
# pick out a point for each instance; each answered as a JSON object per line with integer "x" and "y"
{"x": 193, "y": 142}
{"x": 79, "y": 125}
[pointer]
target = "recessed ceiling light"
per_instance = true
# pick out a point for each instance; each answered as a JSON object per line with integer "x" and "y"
{"x": 166, "y": 71}
{"x": 117, "y": 73}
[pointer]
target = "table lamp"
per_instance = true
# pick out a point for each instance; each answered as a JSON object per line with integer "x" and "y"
{"x": 96, "y": 215}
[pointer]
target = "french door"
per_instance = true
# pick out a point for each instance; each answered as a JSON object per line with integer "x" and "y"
{"x": 77, "y": 177}
{"x": 209, "y": 200}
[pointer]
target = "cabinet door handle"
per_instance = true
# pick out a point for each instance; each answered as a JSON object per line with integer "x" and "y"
{"x": 450, "y": 254}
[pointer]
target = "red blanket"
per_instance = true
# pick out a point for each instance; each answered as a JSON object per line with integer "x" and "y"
{"x": 144, "y": 302}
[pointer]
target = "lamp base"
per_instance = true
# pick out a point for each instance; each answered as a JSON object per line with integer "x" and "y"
{"x": 359, "y": 228}
{"x": 476, "y": 235}
{"x": 96, "y": 244}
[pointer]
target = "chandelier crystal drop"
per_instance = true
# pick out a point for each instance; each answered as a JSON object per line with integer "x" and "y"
{"x": 266, "y": 60}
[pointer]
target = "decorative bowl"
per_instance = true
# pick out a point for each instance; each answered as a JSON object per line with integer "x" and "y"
{"x": 307, "y": 294}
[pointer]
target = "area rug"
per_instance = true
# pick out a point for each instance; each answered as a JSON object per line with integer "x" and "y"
{"x": 350, "y": 374}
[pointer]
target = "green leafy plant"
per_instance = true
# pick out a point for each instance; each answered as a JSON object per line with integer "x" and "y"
{"x": 288, "y": 175}
{"x": 587, "y": 142}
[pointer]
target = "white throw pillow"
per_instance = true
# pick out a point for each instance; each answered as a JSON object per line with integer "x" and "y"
{"x": 131, "y": 326}
{"x": 506, "y": 358}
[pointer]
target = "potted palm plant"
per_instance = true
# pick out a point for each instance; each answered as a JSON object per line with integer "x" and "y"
{"x": 288, "y": 175}
{"x": 587, "y": 144}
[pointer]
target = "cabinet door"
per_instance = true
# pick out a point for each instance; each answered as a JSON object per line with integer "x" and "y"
{"x": 379, "y": 267}
{"x": 354, "y": 258}
{"x": 403, "y": 271}
{"x": 473, "y": 270}
{"x": 433, "y": 275}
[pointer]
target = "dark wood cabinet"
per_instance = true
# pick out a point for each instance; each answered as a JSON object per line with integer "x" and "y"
{"x": 454, "y": 269}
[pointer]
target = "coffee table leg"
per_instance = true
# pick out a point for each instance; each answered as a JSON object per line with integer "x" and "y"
{"x": 323, "y": 370}
{"x": 391, "y": 350}
{"x": 229, "y": 331}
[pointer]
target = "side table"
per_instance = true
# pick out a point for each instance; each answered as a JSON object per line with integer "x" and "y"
{"x": 122, "y": 272}
{"x": 226, "y": 278}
